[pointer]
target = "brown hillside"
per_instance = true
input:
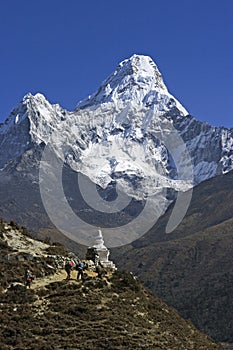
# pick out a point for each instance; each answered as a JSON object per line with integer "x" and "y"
{"x": 111, "y": 313}
{"x": 191, "y": 268}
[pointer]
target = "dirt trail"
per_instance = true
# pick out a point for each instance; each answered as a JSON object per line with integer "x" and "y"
{"x": 41, "y": 282}
{"x": 60, "y": 276}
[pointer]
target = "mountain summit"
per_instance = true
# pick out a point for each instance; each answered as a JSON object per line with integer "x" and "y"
{"x": 135, "y": 80}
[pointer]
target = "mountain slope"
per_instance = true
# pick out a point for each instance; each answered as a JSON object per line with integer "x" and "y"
{"x": 110, "y": 313}
{"x": 191, "y": 268}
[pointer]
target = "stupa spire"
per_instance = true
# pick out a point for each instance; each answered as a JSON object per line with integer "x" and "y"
{"x": 99, "y": 242}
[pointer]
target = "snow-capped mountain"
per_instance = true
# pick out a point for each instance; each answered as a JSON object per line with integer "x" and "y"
{"x": 130, "y": 109}
{"x": 136, "y": 80}
{"x": 131, "y": 133}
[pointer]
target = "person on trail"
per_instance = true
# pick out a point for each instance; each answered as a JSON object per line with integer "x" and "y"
{"x": 96, "y": 258}
{"x": 29, "y": 278}
{"x": 68, "y": 268}
{"x": 80, "y": 267}
{"x": 100, "y": 270}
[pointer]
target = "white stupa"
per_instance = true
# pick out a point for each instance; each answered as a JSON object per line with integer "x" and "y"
{"x": 99, "y": 253}
{"x": 99, "y": 242}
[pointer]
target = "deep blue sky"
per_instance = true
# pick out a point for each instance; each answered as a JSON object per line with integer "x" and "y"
{"x": 65, "y": 49}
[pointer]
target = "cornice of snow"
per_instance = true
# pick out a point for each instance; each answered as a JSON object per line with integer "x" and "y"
{"x": 136, "y": 80}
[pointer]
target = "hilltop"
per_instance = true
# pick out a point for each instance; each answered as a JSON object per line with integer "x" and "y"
{"x": 115, "y": 312}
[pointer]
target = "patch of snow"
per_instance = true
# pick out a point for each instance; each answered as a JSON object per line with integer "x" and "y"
{"x": 205, "y": 170}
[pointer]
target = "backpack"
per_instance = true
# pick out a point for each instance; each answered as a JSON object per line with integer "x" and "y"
{"x": 80, "y": 266}
{"x": 68, "y": 267}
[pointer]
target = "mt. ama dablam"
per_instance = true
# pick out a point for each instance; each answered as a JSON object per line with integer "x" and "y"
{"x": 131, "y": 140}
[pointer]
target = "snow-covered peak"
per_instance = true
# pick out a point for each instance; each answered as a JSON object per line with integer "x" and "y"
{"x": 136, "y": 80}
{"x": 137, "y": 70}
{"x": 20, "y": 112}
{"x": 37, "y": 109}
{"x": 29, "y": 124}
{"x": 37, "y": 97}
{"x": 142, "y": 70}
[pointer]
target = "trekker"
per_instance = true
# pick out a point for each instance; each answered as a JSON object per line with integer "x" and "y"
{"x": 29, "y": 278}
{"x": 68, "y": 268}
{"x": 96, "y": 259}
{"x": 100, "y": 270}
{"x": 80, "y": 267}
